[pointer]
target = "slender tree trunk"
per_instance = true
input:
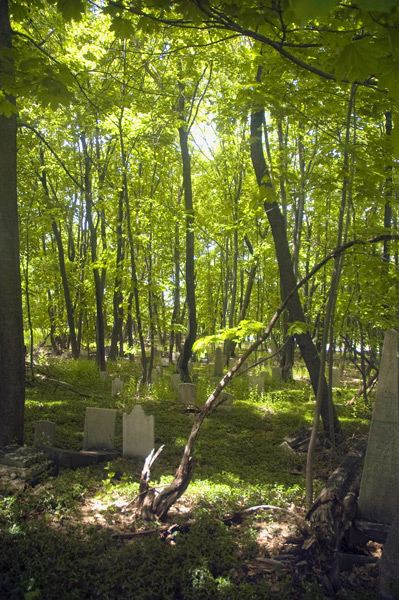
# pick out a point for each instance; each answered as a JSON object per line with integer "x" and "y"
{"x": 12, "y": 353}
{"x": 287, "y": 276}
{"x": 116, "y": 336}
{"x": 190, "y": 274}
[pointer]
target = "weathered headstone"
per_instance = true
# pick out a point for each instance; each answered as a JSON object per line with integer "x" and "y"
{"x": 44, "y": 433}
{"x": 159, "y": 370}
{"x": 257, "y": 382}
{"x": 277, "y": 373}
{"x": 117, "y": 386}
{"x": 138, "y": 433}
{"x": 103, "y": 375}
{"x": 218, "y": 367}
{"x": 187, "y": 393}
{"x": 379, "y": 483}
{"x": 175, "y": 356}
{"x": 336, "y": 378}
{"x": 175, "y": 380}
{"x": 99, "y": 433}
{"x": 165, "y": 361}
{"x": 389, "y": 563}
{"x": 227, "y": 401}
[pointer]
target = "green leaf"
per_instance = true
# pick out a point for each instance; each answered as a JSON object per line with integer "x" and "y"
{"x": 357, "y": 60}
{"x": 395, "y": 135}
{"x": 297, "y": 328}
{"x": 71, "y": 9}
{"x": 310, "y": 9}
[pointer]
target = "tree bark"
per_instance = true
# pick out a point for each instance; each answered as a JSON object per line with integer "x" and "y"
{"x": 12, "y": 355}
{"x": 287, "y": 277}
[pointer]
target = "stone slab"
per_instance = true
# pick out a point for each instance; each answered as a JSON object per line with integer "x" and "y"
{"x": 117, "y": 386}
{"x": 225, "y": 402}
{"x": 175, "y": 381}
{"x": 187, "y": 393}
{"x": 76, "y": 459}
{"x": 99, "y": 432}
{"x": 44, "y": 433}
{"x": 380, "y": 476}
{"x": 20, "y": 456}
{"x": 138, "y": 433}
{"x": 257, "y": 382}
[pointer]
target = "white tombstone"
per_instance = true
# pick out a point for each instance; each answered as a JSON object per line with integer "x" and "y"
{"x": 175, "y": 356}
{"x": 117, "y": 386}
{"x": 226, "y": 401}
{"x": 99, "y": 431}
{"x": 44, "y": 433}
{"x": 138, "y": 433}
{"x": 165, "y": 362}
{"x": 175, "y": 380}
{"x": 257, "y": 382}
{"x": 187, "y": 393}
{"x": 218, "y": 366}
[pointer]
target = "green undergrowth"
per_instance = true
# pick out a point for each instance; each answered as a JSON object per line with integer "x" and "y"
{"x": 48, "y": 550}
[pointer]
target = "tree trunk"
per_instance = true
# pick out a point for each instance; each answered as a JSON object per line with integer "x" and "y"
{"x": 190, "y": 275}
{"x": 116, "y": 335}
{"x": 287, "y": 276}
{"x": 12, "y": 354}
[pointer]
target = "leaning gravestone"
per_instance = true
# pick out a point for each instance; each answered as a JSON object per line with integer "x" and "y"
{"x": 138, "y": 433}
{"x": 379, "y": 484}
{"x": 44, "y": 433}
{"x": 225, "y": 401}
{"x": 99, "y": 431}
{"x": 389, "y": 563}
{"x": 117, "y": 386}
{"x": 256, "y": 382}
{"x": 218, "y": 367}
{"x": 187, "y": 393}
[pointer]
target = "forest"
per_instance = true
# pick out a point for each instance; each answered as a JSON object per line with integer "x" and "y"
{"x": 178, "y": 176}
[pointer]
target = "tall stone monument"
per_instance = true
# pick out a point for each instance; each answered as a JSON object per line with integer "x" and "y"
{"x": 380, "y": 477}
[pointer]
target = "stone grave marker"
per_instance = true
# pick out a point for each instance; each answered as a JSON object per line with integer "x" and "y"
{"x": 165, "y": 361}
{"x": 389, "y": 563}
{"x": 175, "y": 381}
{"x": 99, "y": 433}
{"x": 277, "y": 373}
{"x": 256, "y": 381}
{"x": 377, "y": 501}
{"x": 336, "y": 378}
{"x": 44, "y": 433}
{"x": 227, "y": 403}
{"x": 117, "y": 386}
{"x": 138, "y": 433}
{"x": 21, "y": 466}
{"x": 187, "y": 393}
{"x": 218, "y": 367}
{"x": 159, "y": 370}
{"x": 103, "y": 375}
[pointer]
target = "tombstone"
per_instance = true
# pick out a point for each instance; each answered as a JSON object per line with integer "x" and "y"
{"x": 277, "y": 373}
{"x": 389, "y": 564}
{"x": 256, "y": 381}
{"x": 44, "y": 433}
{"x": 175, "y": 356}
{"x": 99, "y": 431}
{"x": 377, "y": 501}
{"x": 138, "y": 433}
{"x": 336, "y": 378}
{"x": 227, "y": 403}
{"x": 159, "y": 370}
{"x": 218, "y": 368}
{"x": 175, "y": 381}
{"x": 165, "y": 361}
{"x": 84, "y": 353}
{"x": 117, "y": 386}
{"x": 187, "y": 393}
{"x": 103, "y": 375}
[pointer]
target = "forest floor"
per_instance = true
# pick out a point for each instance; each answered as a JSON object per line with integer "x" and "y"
{"x": 78, "y": 535}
